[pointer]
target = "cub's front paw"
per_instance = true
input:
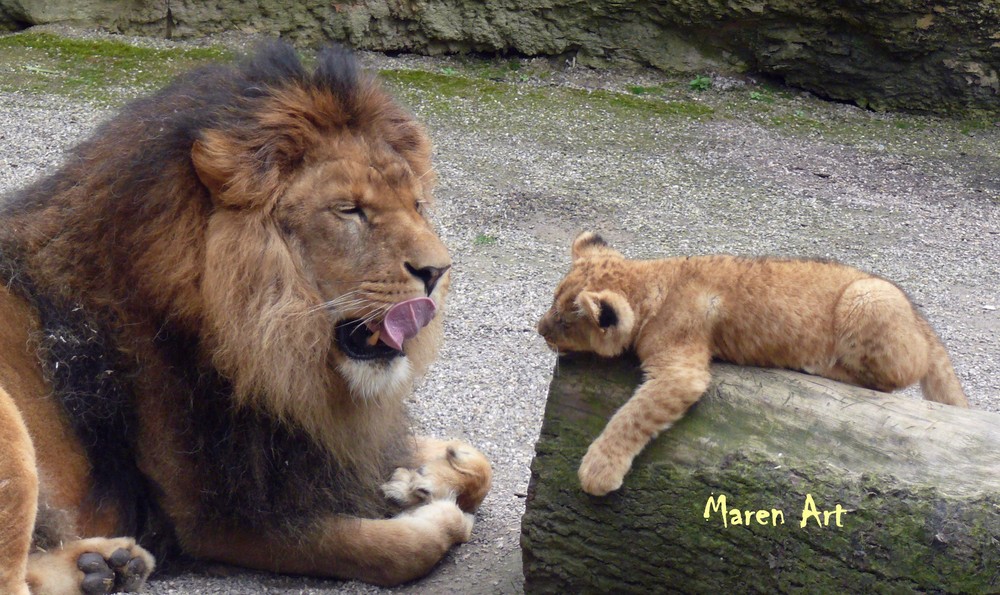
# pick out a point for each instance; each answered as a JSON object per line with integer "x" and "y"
{"x": 600, "y": 474}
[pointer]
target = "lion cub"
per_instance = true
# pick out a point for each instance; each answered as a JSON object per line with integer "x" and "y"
{"x": 678, "y": 313}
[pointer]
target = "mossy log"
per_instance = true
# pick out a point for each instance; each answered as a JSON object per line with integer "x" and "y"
{"x": 828, "y": 489}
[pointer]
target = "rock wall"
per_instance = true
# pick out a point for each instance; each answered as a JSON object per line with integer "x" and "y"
{"x": 886, "y": 54}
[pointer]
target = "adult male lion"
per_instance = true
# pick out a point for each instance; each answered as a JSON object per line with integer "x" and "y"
{"x": 211, "y": 315}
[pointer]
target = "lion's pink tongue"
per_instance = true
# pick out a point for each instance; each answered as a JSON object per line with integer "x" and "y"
{"x": 404, "y": 320}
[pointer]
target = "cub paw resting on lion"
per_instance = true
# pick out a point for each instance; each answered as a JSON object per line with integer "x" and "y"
{"x": 679, "y": 313}
{"x": 212, "y": 314}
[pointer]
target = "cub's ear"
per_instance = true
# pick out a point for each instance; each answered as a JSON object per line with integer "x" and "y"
{"x": 607, "y": 309}
{"x": 589, "y": 243}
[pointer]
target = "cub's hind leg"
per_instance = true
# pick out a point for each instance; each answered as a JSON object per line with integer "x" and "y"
{"x": 18, "y": 497}
{"x": 444, "y": 469}
{"x": 90, "y": 567}
{"x": 882, "y": 343}
{"x": 675, "y": 380}
{"x": 879, "y": 344}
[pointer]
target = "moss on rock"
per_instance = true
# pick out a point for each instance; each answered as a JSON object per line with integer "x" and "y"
{"x": 892, "y": 54}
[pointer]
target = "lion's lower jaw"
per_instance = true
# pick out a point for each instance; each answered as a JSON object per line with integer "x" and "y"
{"x": 379, "y": 379}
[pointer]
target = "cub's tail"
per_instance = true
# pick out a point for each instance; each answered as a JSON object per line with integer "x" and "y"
{"x": 940, "y": 384}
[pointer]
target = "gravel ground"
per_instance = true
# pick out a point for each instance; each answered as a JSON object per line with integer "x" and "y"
{"x": 914, "y": 199}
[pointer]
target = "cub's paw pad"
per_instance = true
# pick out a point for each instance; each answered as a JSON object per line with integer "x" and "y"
{"x": 408, "y": 488}
{"x": 121, "y": 572}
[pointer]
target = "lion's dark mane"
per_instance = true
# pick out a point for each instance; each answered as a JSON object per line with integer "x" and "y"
{"x": 253, "y": 470}
{"x": 86, "y": 374}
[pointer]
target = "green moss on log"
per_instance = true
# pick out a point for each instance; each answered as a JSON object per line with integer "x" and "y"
{"x": 901, "y": 529}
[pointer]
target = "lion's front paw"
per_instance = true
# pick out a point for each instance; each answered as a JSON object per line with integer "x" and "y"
{"x": 600, "y": 474}
{"x": 100, "y": 565}
{"x": 466, "y": 470}
{"x": 446, "y": 515}
{"x": 409, "y": 487}
{"x": 450, "y": 469}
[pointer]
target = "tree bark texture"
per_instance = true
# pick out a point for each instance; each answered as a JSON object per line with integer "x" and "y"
{"x": 828, "y": 488}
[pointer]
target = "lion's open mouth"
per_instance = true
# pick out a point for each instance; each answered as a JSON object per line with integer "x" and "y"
{"x": 385, "y": 340}
{"x": 357, "y": 341}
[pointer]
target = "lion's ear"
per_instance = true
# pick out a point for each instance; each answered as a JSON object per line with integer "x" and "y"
{"x": 589, "y": 243}
{"x": 211, "y": 164}
{"x": 607, "y": 309}
{"x": 215, "y": 161}
{"x": 248, "y": 173}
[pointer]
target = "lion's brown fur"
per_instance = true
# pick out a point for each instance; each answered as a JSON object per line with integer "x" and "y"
{"x": 194, "y": 248}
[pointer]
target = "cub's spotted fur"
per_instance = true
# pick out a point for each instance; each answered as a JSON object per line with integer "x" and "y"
{"x": 679, "y": 313}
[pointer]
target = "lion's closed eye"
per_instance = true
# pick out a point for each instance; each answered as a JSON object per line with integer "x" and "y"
{"x": 352, "y": 211}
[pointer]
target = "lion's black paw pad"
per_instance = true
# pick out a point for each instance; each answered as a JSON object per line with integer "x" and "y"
{"x": 119, "y": 558}
{"x": 118, "y": 573}
{"x": 98, "y": 578}
{"x": 133, "y": 575}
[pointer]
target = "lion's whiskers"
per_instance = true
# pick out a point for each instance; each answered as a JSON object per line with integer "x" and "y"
{"x": 353, "y": 300}
{"x": 341, "y": 302}
{"x": 376, "y": 313}
{"x": 343, "y": 297}
{"x": 336, "y": 308}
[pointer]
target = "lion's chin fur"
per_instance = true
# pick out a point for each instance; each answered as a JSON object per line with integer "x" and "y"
{"x": 376, "y": 381}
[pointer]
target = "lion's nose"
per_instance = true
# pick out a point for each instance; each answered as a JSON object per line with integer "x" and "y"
{"x": 429, "y": 275}
{"x": 544, "y": 326}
